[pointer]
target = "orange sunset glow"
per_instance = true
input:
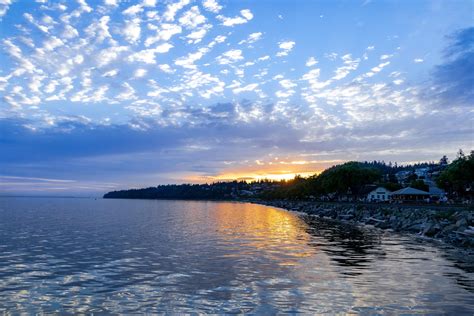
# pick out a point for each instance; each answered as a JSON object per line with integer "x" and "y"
{"x": 274, "y": 169}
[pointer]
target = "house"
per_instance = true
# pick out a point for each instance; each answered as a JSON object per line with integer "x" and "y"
{"x": 402, "y": 176}
{"x": 422, "y": 173}
{"x": 379, "y": 194}
{"x": 409, "y": 194}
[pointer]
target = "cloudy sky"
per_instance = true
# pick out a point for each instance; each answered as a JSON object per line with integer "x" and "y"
{"x": 110, "y": 94}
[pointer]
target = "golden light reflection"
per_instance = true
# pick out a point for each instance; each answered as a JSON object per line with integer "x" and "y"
{"x": 260, "y": 229}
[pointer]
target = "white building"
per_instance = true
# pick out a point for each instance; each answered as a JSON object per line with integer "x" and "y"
{"x": 379, "y": 194}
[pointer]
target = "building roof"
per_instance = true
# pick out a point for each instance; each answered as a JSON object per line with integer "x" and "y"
{"x": 379, "y": 188}
{"x": 436, "y": 191}
{"x": 409, "y": 191}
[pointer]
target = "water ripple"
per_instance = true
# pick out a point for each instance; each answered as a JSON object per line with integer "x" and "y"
{"x": 96, "y": 256}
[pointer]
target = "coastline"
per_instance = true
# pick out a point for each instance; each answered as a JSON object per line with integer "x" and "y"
{"x": 453, "y": 225}
{"x": 450, "y": 226}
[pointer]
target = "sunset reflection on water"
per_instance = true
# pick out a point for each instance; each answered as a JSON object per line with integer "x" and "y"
{"x": 129, "y": 256}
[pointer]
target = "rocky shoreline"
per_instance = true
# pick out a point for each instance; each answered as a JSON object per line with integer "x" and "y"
{"x": 454, "y": 226}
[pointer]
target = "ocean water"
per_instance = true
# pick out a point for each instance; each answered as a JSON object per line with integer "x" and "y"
{"x": 134, "y": 256}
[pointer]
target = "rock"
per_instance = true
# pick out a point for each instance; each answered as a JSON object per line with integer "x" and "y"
{"x": 461, "y": 222}
{"x": 431, "y": 229}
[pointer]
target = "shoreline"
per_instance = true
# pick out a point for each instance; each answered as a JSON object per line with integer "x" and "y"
{"x": 452, "y": 226}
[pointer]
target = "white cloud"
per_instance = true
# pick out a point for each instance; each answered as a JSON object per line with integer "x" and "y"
{"x": 69, "y": 32}
{"x": 312, "y": 77}
{"x": 111, "y": 2}
{"x": 99, "y": 30}
{"x": 247, "y": 88}
{"x": 331, "y": 56}
{"x": 212, "y": 6}
{"x": 284, "y": 93}
{"x": 107, "y": 55}
{"x": 285, "y": 47}
{"x": 252, "y": 38}
{"x": 52, "y": 43}
{"x": 166, "y": 68}
{"x": 148, "y": 55}
{"x": 149, "y": 3}
{"x": 173, "y": 8}
{"x": 51, "y": 86}
{"x": 4, "y": 6}
{"x": 111, "y": 73}
{"x": 311, "y": 62}
{"x": 418, "y": 60}
{"x": 32, "y": 20}
{"x": 380, "y": 67}
{"x": 246, "y": 16}
{"x": 140, "y": 73}
{"x": 230, "y": 57}
{"x": 349, "y": 65}
{"x": 287, "y": 84}
{"x": 197, "y": 36}
{"x": 163, "y": 33}
{"x": 133, "y": 10}
{"x": 84, "y": 6}
{"x": 127, "y": 94}
{"x": 132, "y": 30}
{"x": 189, "y": 60}
{"x": 192, "y": 18}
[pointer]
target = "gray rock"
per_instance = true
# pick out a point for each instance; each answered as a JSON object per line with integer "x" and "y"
{"x": 461, "y": 222}
{"x": 431, "y": 229}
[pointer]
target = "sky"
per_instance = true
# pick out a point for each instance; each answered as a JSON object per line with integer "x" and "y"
{"x": 112, "y": 94}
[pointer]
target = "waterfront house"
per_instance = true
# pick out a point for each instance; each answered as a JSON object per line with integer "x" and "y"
{"x": 379, "y": 194}
{"x": 409, "y": 194}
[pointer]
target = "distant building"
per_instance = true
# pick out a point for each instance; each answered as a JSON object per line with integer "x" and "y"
{"x": 409, "y": 194}
{"x": 379, "y": 194}
{"x": 247, "y": 193}
{"x": 402, "y": 176}
{"x": 422, "y": 172}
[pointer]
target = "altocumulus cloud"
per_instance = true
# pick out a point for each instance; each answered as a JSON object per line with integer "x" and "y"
{"x": 144, "y": 92}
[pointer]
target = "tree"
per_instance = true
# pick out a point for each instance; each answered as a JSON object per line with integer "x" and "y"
{"x": 351, "y": 175}
{"x": 443, "y": 161}
{"x": 459, "y": 175}
{"x": 420, "y": 185}
{"x": 391, "y": 186}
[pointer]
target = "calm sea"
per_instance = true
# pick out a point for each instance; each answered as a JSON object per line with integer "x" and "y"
{"x": 134, "y": 256}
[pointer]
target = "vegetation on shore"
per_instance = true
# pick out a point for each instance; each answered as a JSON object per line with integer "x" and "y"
{"x": 456, "y": 178}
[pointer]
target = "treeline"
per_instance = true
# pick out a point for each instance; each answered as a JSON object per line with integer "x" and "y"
{"x": 458, "y": 178}
{"x": 348, "y": 179}
{"x": 214, "y": 191}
